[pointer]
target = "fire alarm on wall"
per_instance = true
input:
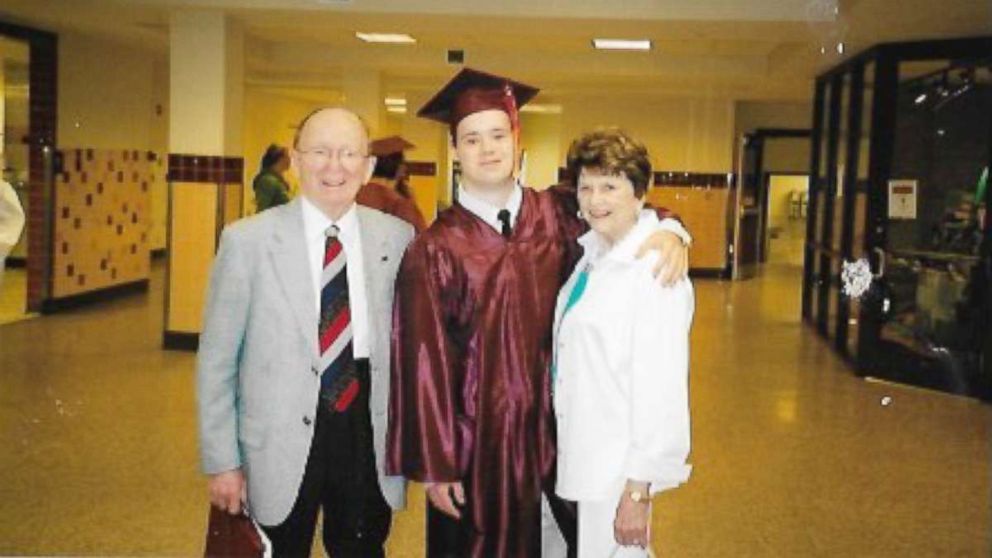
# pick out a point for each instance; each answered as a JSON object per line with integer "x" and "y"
{"x": 456, "y": 56}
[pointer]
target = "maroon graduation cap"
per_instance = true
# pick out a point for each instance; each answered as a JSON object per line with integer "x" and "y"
{"x": 391, "y": 145}
{"x": 472, "y": 91}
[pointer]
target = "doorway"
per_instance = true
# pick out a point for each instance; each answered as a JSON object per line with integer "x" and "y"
{"x": 785, "y": 213}
{"x": 14, "y": 129}
{"x": 769, "y": 157}
{"x": 28, "y": 64}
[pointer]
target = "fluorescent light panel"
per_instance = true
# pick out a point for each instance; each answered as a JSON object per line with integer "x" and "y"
{"x": 541, "y": 109}
{"x": 622, "y": 44}
{"x": 395, "y": 102}
{"x": 397, "y": 110}
{"x": 401, "y": 38}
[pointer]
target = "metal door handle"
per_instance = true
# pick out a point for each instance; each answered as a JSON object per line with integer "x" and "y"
{"x": 881, "y": 262}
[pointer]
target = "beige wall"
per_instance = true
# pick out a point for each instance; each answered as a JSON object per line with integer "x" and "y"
{"x": 431, "y": 144}
{"x": 201, "y": 67}
{"x": 781, "y": 155}
{"x": 540, "y": 135}
{"x": 681, "y": 134}
{"x": 192, "y": 251}
{"x": 113, "y": 96}
{"x": 107, "y": 95}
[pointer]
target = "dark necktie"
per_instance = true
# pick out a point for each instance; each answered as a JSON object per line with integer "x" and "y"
{"x": 504, "y": 218}
{"x": 339, "y": 382}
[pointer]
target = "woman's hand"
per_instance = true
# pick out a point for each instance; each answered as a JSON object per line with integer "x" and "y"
{"x": 631, "y": 525}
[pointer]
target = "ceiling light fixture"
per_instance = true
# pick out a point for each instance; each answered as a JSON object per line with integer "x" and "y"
{"x": 622, "y": 44}
{"x": 538, "y": 108}
{"x": 397, "y": 109}
{"x": 395, "y": 102}
{"x": 395, "y": 38}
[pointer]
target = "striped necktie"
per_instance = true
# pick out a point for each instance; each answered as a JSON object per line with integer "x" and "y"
{"x": 339, "y": 382}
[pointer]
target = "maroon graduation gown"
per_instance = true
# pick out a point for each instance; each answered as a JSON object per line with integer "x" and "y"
{"x": 470, "y": 399}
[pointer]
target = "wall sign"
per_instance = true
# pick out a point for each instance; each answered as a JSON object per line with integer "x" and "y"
{"x": 902, "y": 199}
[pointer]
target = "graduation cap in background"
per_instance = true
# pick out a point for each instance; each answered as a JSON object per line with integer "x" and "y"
{"x": 472, "y": 91}
{"x": 391, "y": 145}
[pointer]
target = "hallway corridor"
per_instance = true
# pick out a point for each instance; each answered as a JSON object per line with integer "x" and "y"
{"x": 793, "y": 455}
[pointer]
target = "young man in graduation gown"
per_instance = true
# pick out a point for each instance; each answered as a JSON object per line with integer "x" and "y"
{"x": 385, "y": 191}
{"x": 470, "y": 401}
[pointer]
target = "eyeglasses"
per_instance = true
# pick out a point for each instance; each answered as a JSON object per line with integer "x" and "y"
{"x": 346, "y": 156}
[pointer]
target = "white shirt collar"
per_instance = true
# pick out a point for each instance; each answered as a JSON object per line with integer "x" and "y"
{"x": 487, "y": 212}
{"x": 316, "y": 222}
{"x": 597, "y": 248}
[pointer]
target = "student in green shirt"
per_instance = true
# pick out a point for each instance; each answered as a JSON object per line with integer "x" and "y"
{"x": 271, "y": 189}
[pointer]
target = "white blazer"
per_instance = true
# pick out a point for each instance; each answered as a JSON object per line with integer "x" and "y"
{"x": 621, "y": 373}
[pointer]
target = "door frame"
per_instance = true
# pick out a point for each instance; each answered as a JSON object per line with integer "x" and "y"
{"x": 41, "y": 139}
{"x": 754, "y": 235}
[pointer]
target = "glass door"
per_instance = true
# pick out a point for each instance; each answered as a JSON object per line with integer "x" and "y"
{"x": 933, "y": 316}
{"x": 748, "y": 231}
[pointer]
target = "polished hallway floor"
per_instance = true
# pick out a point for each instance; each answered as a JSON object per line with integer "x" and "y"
{"x": 13, "y": 295}
{"x": 793, "y": 455}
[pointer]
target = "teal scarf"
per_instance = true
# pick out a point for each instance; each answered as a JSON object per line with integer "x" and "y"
{"x": 573, "y": 298}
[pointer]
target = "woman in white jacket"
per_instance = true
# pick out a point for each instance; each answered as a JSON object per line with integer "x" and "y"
{"x": 620, "y": 371}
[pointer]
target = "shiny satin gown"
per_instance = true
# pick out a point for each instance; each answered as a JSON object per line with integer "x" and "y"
{"x": 470, "y": 397}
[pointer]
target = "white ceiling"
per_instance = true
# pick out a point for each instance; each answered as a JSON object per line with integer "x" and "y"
{"x": 753, "y": 49}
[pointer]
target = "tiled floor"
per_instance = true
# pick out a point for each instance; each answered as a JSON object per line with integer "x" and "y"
{"x": 793, "y": 455}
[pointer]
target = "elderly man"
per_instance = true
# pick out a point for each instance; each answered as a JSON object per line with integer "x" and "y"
{"x": 293, "y": 366}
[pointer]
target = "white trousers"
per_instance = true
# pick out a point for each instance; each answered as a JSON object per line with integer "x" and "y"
{"x": 596, "y": 536}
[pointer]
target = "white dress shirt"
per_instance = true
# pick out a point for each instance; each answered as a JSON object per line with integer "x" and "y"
{"x": 488, "y": 212}
{"x": 621, "y": 374}
{"x": 315, "y": 223}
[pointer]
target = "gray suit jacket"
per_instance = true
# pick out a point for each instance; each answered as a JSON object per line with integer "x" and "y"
{"x": 257, "y": 373}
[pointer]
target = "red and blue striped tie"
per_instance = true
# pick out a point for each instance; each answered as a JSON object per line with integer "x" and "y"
{"x": 339, "y": 382}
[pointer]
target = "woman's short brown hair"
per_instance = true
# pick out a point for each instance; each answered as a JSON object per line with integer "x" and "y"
{"x": 611, "y": 151}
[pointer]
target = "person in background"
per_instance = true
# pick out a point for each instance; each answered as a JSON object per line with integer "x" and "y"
{"x": 271, "y": 189}
{"x": 470, "y": 410}
{"x": 388, "y": 190}
{"x": 621, "y": 360}
{"x": 11, "y": 222}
